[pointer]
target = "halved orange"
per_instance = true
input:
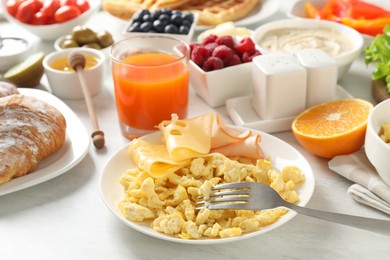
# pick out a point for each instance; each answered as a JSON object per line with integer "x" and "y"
{"x": 333, "y": 128}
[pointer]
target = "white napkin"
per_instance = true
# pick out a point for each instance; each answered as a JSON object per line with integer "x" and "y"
{"x": 369, "y": 189}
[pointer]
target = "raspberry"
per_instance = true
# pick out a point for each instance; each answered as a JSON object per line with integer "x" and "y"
{"x": 234, "y": 60}
{"x": 226, "y": 40}
{"x": 212, "y": 63}
{"x": 193, "y": 45}
{"x": 249, "y": 55}
{"x": 210, "y": 38}
{"x": 224, "y": 53}
{"x": 245, "y": 45}
{"x": 211, "y": 46}
{"x": 199, "y": 55}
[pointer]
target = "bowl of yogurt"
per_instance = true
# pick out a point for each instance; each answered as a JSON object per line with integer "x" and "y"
{"x": 12, "y": 51}
{"x": 341, "y": 42}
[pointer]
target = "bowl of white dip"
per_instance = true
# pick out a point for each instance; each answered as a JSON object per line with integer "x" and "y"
{"x": 341, "y": 42}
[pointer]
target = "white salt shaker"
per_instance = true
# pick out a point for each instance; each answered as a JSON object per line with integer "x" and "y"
{"x": 279, "y": 86}
{"x": 321, "y": 75}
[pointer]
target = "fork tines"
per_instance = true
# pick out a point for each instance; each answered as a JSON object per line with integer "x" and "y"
{"x": 227, "y": 196}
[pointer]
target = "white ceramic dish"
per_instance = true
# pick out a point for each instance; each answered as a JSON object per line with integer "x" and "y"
{"x": 378, "y": 152}
{"x": 14, "y": 50}
{"x": 53, "y": 31}
{"x": 215, "y": 87}
{"x": 281, "y": 154}
{"x": 242, "y": 114}
{"x": 344, "y": 60}
{"x": 65, "y": 84}
{"x": 261, "y": 12}
{"x": 74, "y": 150}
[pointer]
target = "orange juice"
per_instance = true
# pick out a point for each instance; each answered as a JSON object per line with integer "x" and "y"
{"x": 149, "y": 87}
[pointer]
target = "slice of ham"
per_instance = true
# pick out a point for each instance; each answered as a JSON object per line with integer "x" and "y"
{"x": 248, "y": 148}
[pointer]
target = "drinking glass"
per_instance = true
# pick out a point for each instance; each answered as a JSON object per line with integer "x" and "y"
{"x": 151, "y": 81}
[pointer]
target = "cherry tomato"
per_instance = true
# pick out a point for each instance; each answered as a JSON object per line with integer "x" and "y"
{"x": 50, "y": 7}
{"x": 66, "y": 13}
{"x": 83, "y": 5}
{"x": 68, "y": 2}
{"x": 12, "y": 6}
{"x": 27, "y": 9}
{"x": 40, "y": 18}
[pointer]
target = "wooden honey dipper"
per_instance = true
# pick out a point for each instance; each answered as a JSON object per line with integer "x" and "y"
{"x": 77, "y": 61}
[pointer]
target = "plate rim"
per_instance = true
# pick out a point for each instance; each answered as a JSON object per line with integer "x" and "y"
{"x": 75, "y": 131}
{"x": 309, "y": 182}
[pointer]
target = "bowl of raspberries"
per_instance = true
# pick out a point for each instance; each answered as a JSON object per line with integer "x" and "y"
{"x": 221, "y": 68}
{"x": 173, "y": 23}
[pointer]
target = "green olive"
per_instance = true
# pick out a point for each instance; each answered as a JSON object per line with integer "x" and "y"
{"x": 69, "y": 44}
{"x": 93, "y": 45}
{"x": 104, "y": 38}
{"x": 83, "y": 35}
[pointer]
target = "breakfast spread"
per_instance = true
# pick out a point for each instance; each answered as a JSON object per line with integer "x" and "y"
{"x": 195, "y": 155}
{"x": 211, "y": 12}
{"x": 290, "y": 40}
{"x": 30, "y": 130}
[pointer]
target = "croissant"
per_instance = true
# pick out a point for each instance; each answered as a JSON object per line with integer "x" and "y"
{"x": 30, "y": 130}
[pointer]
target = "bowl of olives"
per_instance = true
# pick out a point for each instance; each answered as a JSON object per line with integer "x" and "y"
{"x": 84, "y": 37}
{"x": 173, "y": 23}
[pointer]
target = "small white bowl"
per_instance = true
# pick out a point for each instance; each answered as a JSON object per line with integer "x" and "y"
{"x": 184, "y": 37}
{"x": 14, "y": 50}
{"x": 51, "y": 32}
{"x": 344, "y": 60}
{"x": 297, "y": 9}
{"x": 67, "y": 85}
{"x": 377, "y": 151}
{"x": 215, "y": 87}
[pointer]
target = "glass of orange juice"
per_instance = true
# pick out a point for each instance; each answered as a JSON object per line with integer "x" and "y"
{"x": 151, "y": 81}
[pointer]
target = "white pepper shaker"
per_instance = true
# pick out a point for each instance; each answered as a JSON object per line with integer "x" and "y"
{"x": 321, "y": 75}
{"x": 279, "y": 86}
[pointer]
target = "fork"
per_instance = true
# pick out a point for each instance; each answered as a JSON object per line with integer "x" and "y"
{"x": 258, "y": 196}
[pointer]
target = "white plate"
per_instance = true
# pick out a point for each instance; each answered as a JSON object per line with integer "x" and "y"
{"x": 281, "y": 154}
{"x": 242, "y": 114}
{"x": 73, "y": 151}
{"x": 261, "y": 12}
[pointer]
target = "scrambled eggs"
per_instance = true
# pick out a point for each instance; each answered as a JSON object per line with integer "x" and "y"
{"x": 169, "y": 201}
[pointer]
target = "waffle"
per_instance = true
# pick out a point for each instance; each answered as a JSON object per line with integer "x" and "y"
{"x": 214, "y": 12}
{"x": 211, "y": 12}
{"x": 123, "y": 9}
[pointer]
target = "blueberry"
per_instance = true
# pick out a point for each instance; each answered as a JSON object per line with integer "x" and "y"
{"x": 134, "y": 27}
{"x": 186, "y": 23}
{"x": 158, "y": 25}
{"x": 156, "y": 14}
{"x": 146, "y": 26}
{"x": 188, "y": 17}
{"x": 137, "y": 17}
{"x": 165, "y": 18}
{"x": 166, "y": 11}
{"x": 171, "y": 28}
{"x": 183, "y": 29}
{"x": 147, "y": 18}
{"x": 176, "y": 19}
{"x": 176, "y": 12}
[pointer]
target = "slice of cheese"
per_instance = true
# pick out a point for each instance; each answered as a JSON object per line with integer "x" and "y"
{"x": 154, "y": 158}
{"x": 189, "y": 138}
